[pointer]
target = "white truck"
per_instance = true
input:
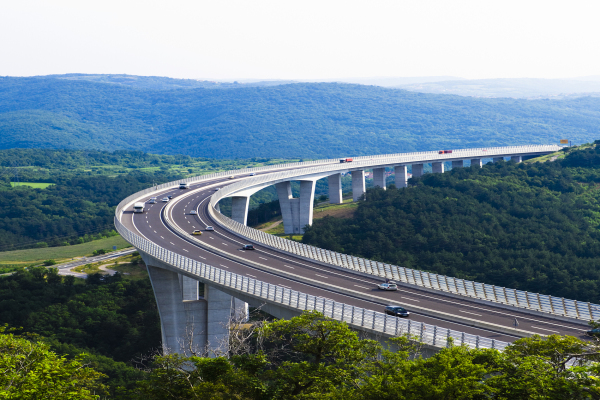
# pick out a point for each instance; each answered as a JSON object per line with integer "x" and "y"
{"x": 184, "y": 185}
{"x": 138, "y": 208}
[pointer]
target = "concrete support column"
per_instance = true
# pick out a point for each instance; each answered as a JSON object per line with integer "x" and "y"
{"x": 437, "y": 167}
{"x": 240, "y": 311}
{"x": 417, "y": 170}
{"x": 516, "y": 159}
{"x": 358, "y": 184}
{"x": 379, "y": 177}
{"x": 189, "y": 288}
{"x": 498, "y": 159}
{"x": 401, "y": 176}
{"x": 476, "y": 162}
{"x": 457, "y": 164}
{"x": 239, "y": 209}
{"x": 219, "y": 311}
{"x": 290, "y": 208}
{"x": 307, "y": 200}
{"x": 335, "y": 188}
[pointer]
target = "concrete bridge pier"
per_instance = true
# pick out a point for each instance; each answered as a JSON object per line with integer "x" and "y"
{"x": 401, "y": 176}
{"x": 457, "y": 164}
{"x": 335, "y": 188}
{"x": 476, "y": 162}
{"x": 296, "y": 212}
{"x": 379, "y": 177}
{"x": 358, "y": 184}
{"x": 437, "y": 167}
{"x": 190, "y": 324}
{"x": 417, "y": 170}
{"x": 516, "y": 159}
{"x": 239, "y": 209}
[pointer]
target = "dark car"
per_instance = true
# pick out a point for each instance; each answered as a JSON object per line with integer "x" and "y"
{"x": 248, "y": 247}
{"x": 594, "y": 332}
{"x": 170, "y": 197}
{"x": 396, "y": 311}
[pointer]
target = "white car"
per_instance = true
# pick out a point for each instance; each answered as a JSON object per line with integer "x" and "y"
{"x": 193, "y": 212}
{"x": 252, "y": 173}
{"x": 152, "y": 201}
{"x": 165, "y": 200}
{"x": 210, "y": 228}
{"x": 217, "y": 189}
{"x": 387, "y": 286}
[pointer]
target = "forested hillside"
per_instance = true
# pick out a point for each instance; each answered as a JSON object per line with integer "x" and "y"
{"x": 297, "y": 120}
{"x": 86, "y": 187}
{"x": 533, "y": 227}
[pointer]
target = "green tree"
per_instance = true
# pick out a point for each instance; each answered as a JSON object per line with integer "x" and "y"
{"x": 31, "y": 371}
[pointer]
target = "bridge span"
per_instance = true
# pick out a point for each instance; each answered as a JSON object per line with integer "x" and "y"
{"x": 202, "y": 282}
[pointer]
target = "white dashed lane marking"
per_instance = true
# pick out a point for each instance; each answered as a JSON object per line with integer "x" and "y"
{"x": 408, "y": 298}
{"x": 322, "y": 276}
{"x": 223, "y": 265}
{"x": 262, "y": 257}
{"x": 362, "y": 287}
{"x": 467, "y": 312}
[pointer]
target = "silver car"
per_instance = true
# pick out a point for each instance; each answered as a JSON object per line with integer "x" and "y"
{"x": 193, "y": 212}
{"x": 165, "y": 200}
{"x": 387, "y": 286}
{"x": 210, "y": 228}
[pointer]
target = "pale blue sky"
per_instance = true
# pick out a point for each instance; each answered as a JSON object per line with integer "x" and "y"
{"x": 224, "y": 39}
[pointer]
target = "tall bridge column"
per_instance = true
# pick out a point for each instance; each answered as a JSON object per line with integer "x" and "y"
{"x": 379, "y": 177}
{"x": 401, "y": 176}
{"x": 516, "y": 159}
{"x": 498, "y": 159}
{"x": 476, "y": 162}
{"x": 290, "y": 208}
{"x": 307, "y": 201}
{"x": 296, "y": 212}
{"x": 358, "y": 184}
{"x": 239, "y": 209}
{"x": 335, "y": 188}
{"x": 437, "y": 167}
{"x": 417, "y": 170}
{"x": 188, "y": 324}
{"x": 457, "y": 164}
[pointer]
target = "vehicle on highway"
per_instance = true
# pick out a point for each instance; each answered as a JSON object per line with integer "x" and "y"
{"x": 248, "y": 247}
{"x": 197, "y": 232}
{"x": 232, "y": 177}
{"x": 593, "y": 332}
{"x": 396, "y": 311}
{"x": 217, "y": 189}
{"x": 445, "y": 152}
{"x": 210, "y": 228}
{"x": 388, "y": 286}
{"x": 193, "y": 212}
{"x": 152, "y": 200}
{"x": 252, "y": 173}
{"x": 138, "y": 207}
{"x": 170, "y": 197}
{"x": 345, "y": 160}
{"x": 165, "y": 199}
{"x": 184, "y": 185}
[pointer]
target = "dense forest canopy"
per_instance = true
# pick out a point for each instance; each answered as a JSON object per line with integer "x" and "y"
{"x": 295, "y": 120}
{"x": 533, "y": 227}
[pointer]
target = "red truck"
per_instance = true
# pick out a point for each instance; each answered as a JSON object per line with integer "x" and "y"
{"x": 344, "y": 160}
{"x": 445, "y": 152}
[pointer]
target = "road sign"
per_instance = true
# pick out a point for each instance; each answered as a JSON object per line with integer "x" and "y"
{"x": 564, "y": 141}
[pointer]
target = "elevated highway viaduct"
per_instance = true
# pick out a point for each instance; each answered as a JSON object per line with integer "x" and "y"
{"x": 285, "y": 278}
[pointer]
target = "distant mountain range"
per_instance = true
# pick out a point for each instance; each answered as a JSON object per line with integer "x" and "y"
{"x": 263, "y": 119}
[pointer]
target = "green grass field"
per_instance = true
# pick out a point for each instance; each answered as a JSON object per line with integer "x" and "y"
{"x": 61, "y": 253}
{"x": 35, "y": 185}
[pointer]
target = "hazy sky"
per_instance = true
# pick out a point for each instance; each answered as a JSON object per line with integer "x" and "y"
{"x": 223, "y": 39}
